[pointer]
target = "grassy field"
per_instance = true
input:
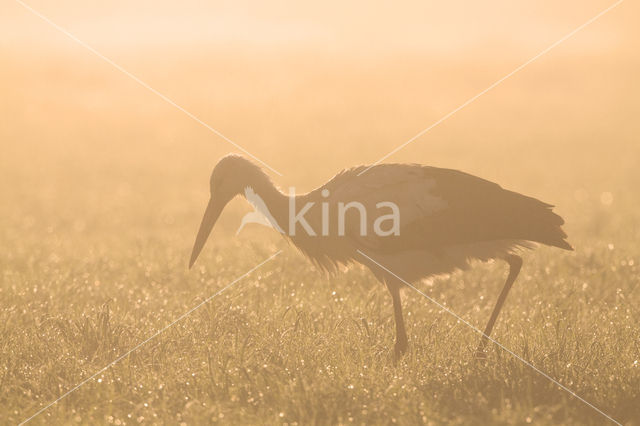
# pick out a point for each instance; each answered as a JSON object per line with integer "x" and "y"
{"x": 103, "y": 186}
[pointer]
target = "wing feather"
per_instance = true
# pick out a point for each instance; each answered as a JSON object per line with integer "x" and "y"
{"x": 440, "y": 208}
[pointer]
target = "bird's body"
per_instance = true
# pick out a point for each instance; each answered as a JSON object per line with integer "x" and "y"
{"x": 445, "y": 219}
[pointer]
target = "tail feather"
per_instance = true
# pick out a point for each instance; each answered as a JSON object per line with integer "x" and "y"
{"x": 535, "y": 220}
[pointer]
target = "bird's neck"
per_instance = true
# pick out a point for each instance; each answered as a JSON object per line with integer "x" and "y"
{"x": 276, "y": 201}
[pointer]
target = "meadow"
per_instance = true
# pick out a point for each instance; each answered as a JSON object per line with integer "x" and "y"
{"x": 103, "y": 186}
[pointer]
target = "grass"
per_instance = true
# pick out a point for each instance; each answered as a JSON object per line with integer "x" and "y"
{"x": 103, "y": 187}
{"x": 285, "y": 345}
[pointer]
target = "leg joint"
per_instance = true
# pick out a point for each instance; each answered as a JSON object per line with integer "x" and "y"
{"x": 515, "y": 262}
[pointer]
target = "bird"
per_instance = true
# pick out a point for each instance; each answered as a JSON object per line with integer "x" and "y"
{"x": 443, "y": 221}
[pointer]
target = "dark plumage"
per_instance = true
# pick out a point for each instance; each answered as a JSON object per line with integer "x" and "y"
{"x": 447, "y": 218}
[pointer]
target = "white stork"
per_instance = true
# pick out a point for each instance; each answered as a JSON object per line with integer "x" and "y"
{"x": 447, "y": 219}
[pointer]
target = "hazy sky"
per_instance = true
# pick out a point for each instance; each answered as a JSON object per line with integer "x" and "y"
{"x": 445, "y": 27}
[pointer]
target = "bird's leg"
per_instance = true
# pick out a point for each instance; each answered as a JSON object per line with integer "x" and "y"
{"x": 401, "y": 334}
{"x": 515, "y": 262}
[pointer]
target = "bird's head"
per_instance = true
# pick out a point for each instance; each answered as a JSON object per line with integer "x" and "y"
{"x": 228, "y": 179}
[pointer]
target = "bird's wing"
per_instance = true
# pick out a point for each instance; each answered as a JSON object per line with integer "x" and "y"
{"x": 442, "y": 207}
{"x": 404, "y": 185}
{"x": 480, "y": 211}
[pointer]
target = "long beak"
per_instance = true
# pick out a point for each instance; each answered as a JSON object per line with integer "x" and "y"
{"x": 210, "y": 216}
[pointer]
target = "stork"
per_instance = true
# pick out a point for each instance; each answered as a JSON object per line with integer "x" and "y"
{"x": 447, "y": 218}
